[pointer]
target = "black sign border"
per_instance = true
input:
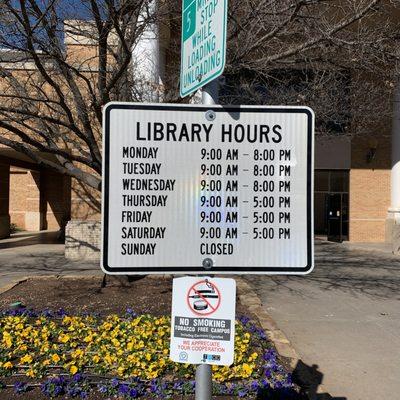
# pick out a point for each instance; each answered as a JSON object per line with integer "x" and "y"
{"x": 201, "y": 270}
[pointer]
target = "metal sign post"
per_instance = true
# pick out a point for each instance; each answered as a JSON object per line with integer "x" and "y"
{"x": 209, "y": 96}
{"x": 203, "y": 382}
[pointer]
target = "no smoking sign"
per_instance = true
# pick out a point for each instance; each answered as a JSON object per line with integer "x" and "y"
{"x": 203, "y": 298}
{"x": 203, "y": 320}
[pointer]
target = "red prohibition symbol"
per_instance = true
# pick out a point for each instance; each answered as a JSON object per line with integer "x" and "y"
{"x": 203, "y": 298}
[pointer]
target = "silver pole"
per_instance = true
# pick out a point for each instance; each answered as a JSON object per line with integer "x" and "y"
{"x": 203, "y": 382}
{"x": 209, "y": 96}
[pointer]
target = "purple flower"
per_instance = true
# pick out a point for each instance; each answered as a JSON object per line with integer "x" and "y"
{"x": 73, "y": 391}
{"x": 53, "y": 387}
{"x": 123, "y": 388}
{"x": 102, "y": 389}
{"x": 114, "y": 382}
{"x": 278, "y": 385}
{"x": 178, "y": 385}
{"x": 261, "y": 334}
{"x": 47, "y": 313}
{"x": 242, "y": 392}
{"x": 20, "y": 387}
{"x": 289, "y": 381}
{"x": 231, "y": 388}
{"x": 269, "y": 355}
{"x": 133, "y": 393}
{"x": 77, "y": 377}
{"x": 252, "y": 328}
{"x": 130, "y": 312}
{"x": 30, "y": 313}
{"x": 153, "y": 386}
{"x": 265, "y": 384}
{"x": 61, "y": 312}
{"x": 277, "y": 368}
{"x": 244, "y": 320}
{"x": 254, "y": 386}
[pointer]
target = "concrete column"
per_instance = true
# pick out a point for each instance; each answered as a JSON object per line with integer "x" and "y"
{"x": 33, "y": 212}
{"x": 4, "y": 201}
{"x": 148, "y": 58}
{"x": 393, "y": 220}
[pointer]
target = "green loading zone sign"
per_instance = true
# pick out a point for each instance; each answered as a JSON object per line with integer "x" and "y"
{"x": 203, "y": 44}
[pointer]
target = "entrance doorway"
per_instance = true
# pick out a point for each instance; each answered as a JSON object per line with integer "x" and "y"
{"x": 331, "y": 204}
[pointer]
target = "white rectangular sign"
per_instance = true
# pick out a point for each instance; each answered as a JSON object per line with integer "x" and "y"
{"x": 203, "y": 320}
{"x": 207, "y": 189}
{"x": 203, "y": 44}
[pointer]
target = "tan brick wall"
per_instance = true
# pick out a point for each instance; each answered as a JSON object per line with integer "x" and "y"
{"x": 369, "y": 190}
{"x": 39, "y": 200}
{"x": 33, "y": 212}
{"x": 369, "y": 201}
{"x": 18, "y": 194}
{"x": 85, "y": 202}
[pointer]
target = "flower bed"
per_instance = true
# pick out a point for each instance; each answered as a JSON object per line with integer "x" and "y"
{"x": 125, "y": 356}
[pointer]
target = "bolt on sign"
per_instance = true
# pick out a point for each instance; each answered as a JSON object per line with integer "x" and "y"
{"x": 203, "y": 44}
{"x": 203, "y": 320}
{"x": 207, "y": 189}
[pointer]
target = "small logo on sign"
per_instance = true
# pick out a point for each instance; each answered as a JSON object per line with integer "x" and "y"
{"x": 183, "y": 356}
{"x": 211, "y": 357}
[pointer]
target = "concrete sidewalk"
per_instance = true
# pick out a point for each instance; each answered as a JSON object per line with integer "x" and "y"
{"x": 344, "y": 317}
{"x": 38, "y": 254}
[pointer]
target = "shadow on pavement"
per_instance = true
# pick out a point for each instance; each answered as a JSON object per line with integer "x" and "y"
{"x": 308, "y": 378}
{"x": 337, "y": 268}
{"x": 32, "y": 238}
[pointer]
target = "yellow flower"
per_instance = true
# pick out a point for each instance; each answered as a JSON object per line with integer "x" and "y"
{"x": 26, "y": 359}
{"x": 247, "y": 369}
{"x": 88, "y": 339}
{"x": 7, "y": 365}
{"x": 78, "y": 353}
{"x": 63, "y": 338}
{"x": 96, "y": 359}
{"x": 7, "y": 339}
{"x": 136, "y": 347}
{"x": 55, "y": 358}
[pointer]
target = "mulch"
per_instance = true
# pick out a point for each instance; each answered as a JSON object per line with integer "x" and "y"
{"x": 144, "y": 295}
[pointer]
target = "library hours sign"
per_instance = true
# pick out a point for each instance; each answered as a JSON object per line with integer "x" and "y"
{"x": 207, "y": 189}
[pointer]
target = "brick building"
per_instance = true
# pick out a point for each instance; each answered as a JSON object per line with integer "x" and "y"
{"x": 352, "y": 178}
